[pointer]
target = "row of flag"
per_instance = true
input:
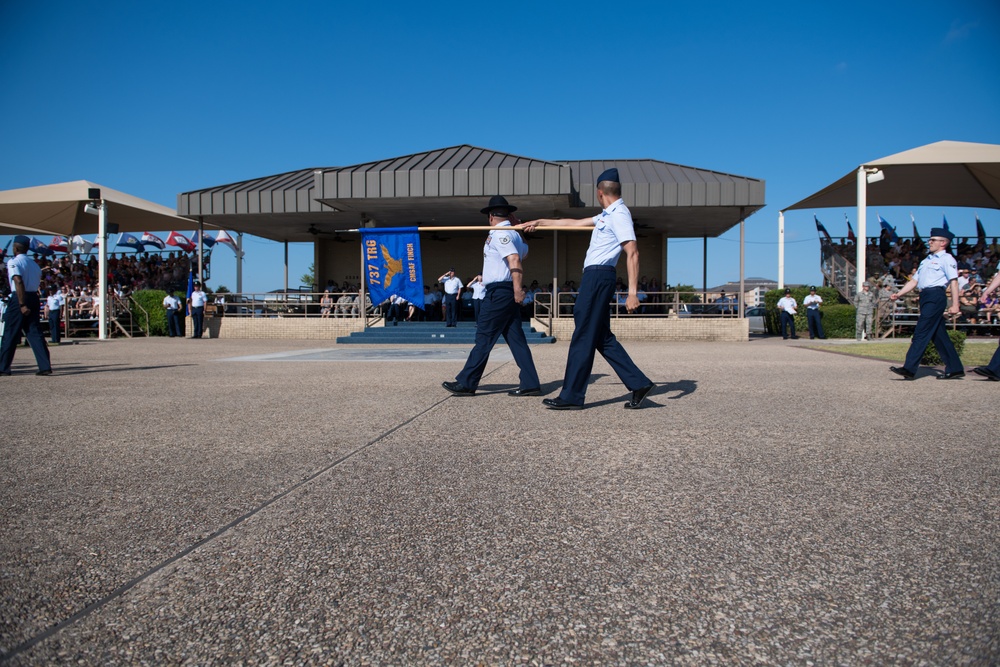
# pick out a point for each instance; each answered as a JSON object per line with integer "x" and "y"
{"x": 81, "y": 246}
{"x": 893, "y": 235}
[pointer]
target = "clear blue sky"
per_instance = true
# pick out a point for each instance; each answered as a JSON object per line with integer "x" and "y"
{"x": 156, "y": 98}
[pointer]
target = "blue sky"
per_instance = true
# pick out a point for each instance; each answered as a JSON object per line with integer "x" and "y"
{"x": 156, "y": 98}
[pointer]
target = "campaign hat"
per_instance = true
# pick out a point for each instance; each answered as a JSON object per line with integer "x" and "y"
{"x": 498, "y": 201}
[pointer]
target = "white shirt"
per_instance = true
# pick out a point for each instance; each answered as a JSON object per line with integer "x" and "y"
{"x": 171, "y": 302}
{"x": 787, "y": 304}
{"x": 198, "y": 298}
{"x": 612, "y": 227}
{"x": 452, "y": 285}
{"x": 812, "y": 301}
{"x": 478, "y": 290}
{"x": 54, "y": 301}
{"x": 501, "y": 244}
{"x": 28, "y": 269}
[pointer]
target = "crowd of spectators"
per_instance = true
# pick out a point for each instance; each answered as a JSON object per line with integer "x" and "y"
{"x": 890, "y": 264}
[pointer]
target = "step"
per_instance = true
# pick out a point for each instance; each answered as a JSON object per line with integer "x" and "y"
{"x": 433, "y": 333}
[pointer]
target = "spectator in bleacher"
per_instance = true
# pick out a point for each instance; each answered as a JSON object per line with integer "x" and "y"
{"x": 936, "y": 276}
{"x": 991, "y": 370}
{"x": 787, "y": 309}
{"x": 865, "y": 302}
{"x": 326, "y": 304}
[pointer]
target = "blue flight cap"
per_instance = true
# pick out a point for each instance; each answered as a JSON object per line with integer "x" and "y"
{"x": 609, "y": 175}
{"x": 22, "y": 240}
{"x": 943, "y": 233}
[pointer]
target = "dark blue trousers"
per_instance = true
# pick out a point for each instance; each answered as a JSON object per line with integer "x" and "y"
{"x": 174, "y": 323}
{"x": 931, "y": 329}
{"x": 994, "y": 364}
{"x": 592, "y": 317}
{"x": 815, "y": 323}
{"x": 787, "y": 322}
{"x": 55, "y": 325}
{"x": 451, "y": 309}
{"x": 499, "y": 314}
{"x": 197, "y": 320}
{"x": 16, "y": 324}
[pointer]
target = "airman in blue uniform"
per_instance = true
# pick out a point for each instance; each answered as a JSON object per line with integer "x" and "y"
{"x": 613, "y": 233}
{"x": 936, "y": 274}
{"x": 500, "y": 312}
{"x": 991, "y": 371}
{"x": 23, "y": 307}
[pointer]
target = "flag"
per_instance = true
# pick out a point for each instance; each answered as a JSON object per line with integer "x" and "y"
{"x": 916, "y": 234}
{"x": 206, "y": 241}
{"x": 80, "y": 245}
{"x": 850, "y": 230}
{"x": 893, "y": 236}
{"x": 227, "y": 240}
{"x": 820, "y": 229}
{"x": 130, "y": 241}
{"x": 58, "y": 244}
{"x": 3, "y": 253}
{"x": 980, "y": 231}
{"x": 148, "y": 239}
{"x": 392, "y": 263}
{"x": 39, "y": 248}
{"x": 945, "y": 218}
{"x": 187, "y": 308}
{"x": 180, "y": 241}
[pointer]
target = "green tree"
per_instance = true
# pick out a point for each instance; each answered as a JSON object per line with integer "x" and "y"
{"x": 310, "y": 277}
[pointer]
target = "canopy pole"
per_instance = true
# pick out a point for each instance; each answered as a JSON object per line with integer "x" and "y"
{"x": 704, "y": 269}
{"x": 201, "y": 250}
{"x": 741, "y": 302}
{"x": 102, "y": 267}
{"x": 286, "y": 267}
{"x": 862, "y": 247}
{"x": 553, "y": 312}
{"x": 362, "y": 308}
{"x": 781, "y": 249}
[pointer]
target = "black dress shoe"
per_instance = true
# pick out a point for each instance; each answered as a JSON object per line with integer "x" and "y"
{"x": 986, "y": 373}
{"x": 526, "y": 392}
{"x": 638, "y": 396}
{"x": 951, "y": 376}
{"x": 559, "y": 404}
{"x": 899, "y": 370}
{"x": 48, "y": 372}
{"x": 458, "y": 389}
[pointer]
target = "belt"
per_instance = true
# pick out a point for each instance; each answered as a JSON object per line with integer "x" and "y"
{"x": 500, "y": 284}
{"x": 924, "y": 289}
{"x": 598, "y": 267}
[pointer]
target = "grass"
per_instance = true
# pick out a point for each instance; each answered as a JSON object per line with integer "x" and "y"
{"x": 975, "y": 354}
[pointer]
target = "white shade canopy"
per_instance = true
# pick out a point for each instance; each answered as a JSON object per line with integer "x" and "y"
{"x": 946, "y": 173}
{"x": 59, "y": 209}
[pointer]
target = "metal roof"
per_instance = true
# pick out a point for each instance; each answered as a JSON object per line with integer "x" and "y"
{"x": 448, "y": 186}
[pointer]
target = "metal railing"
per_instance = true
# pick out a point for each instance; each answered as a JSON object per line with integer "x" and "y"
{"x": 651, "y": 304}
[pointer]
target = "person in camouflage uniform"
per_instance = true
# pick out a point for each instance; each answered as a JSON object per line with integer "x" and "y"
{"x": 865, "y": 302}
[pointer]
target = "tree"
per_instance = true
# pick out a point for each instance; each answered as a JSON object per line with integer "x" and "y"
{"x": 309, "y": 278}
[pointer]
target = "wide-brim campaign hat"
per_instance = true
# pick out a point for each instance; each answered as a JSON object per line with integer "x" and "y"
{"x": 943, "y": 233}
{"x": 498, "y": 201}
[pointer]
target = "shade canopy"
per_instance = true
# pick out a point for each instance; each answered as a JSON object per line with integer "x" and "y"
{"x": 448, "y": 186}
{"x": 946, "y": 173}
{"x": 58, "y": 209}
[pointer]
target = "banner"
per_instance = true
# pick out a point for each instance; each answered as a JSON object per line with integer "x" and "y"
{"x": 392, "y": 264}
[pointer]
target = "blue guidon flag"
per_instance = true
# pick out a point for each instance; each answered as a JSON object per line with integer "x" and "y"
{"x": 392, "y": 264}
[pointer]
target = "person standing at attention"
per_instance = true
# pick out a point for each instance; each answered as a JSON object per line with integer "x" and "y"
{"x": 613, "y": 233}
{"x": 197, "y": 304}
{"x": 173, "y": 307}
{"x": 500, "y": 313}
{"x": 452, "y": 286}
{"x": 23, "y": 306}
{"x": 787, "y": 308}
{"x": 936, "y": 275}
{"x": 864, "y": 301}
{"x": 53, "y": 311}
{"x": 812, "y": 303}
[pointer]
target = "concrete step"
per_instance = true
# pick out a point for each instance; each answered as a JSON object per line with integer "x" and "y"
{"x": 433, "y": 333}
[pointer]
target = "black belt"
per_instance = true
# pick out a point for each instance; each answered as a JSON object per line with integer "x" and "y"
{"x": 500, "y": 284}
{"x": 924, "y": 289}
{"x": 598, "y": 267}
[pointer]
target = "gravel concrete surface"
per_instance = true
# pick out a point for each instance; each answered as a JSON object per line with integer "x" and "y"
{"x": 286, "y": 502}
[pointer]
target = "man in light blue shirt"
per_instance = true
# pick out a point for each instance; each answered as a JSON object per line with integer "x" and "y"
{"x": 23, "y": 307}
{"x": 936, "y": 274}
{"x": 613, "y": 234}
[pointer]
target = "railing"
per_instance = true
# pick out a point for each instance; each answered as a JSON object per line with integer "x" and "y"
{"x": 651, "y": 304}
{"x": 288, "y": 304}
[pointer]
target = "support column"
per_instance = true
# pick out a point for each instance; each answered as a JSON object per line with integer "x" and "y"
{"x": 781, "y": 249}
{"x": 862, "y": 246}
{"x": 102, "y": 267}
{"x": 741, "y": 302}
